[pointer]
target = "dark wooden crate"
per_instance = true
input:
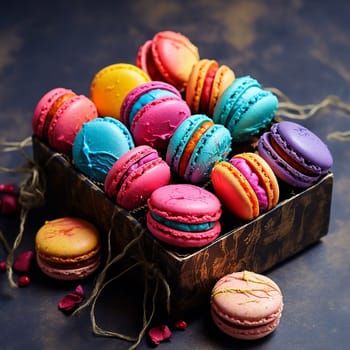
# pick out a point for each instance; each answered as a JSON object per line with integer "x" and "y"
{"x": 300, "y": 219}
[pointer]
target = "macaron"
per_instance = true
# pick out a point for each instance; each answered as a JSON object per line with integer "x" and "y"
{"x": 206, "y": 84}
{"x": 245, "y": 108}
{"x": 196, "y": 145}
{"x": 112, "y": 83}
{"x": 184, "y": 215}
{"x": 155, "y": 123}
{"x": 246, "y": 305}
{"x": 141, "y": 96}
{"x": 297, "y": 156}
{"x": 59, "y": 115}
{"x": 246, "y": 185}
{"x": 135, "y": 175}
{"x": 169, "y": 56}
{"x": 98, "y": 145}
{"x": 68, "y": 248}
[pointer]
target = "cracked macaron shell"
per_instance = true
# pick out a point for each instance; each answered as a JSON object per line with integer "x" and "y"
{"x": 98, "y": 145}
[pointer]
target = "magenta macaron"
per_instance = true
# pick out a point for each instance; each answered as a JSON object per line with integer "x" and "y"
{"x": 296, "y": 155}
{"x": 184, "y": 215}
{"x": 153, "y": 111}
{"x": 58, "y": 117}
{"x": 135, "y": 175}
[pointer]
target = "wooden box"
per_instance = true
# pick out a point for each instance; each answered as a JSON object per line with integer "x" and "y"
{"x": 299, "y": 220}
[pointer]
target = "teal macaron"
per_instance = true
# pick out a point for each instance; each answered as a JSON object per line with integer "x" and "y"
{"x": 245, "y": 108}
{"x": 98, "y": 145}
{"x": 197, "y": 144}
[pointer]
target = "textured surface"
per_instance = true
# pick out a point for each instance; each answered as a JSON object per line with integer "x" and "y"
{"x": 301, "y": 47}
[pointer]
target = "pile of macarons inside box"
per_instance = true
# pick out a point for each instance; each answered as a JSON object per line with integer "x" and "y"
{"x": 185, "y": 138}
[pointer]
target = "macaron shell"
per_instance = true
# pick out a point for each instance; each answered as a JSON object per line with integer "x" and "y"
{"x": 145, "y": 61}
{"x": 267, "y": 177}
{"x": 112, "y": 83}
{"x": 246, "y": 305}
{"x": 67, "y": 122}
{"x": 133, "y": 96}
{"x": 185, "y": 203}
{"x": 224, "y": 77}
{"x": 156, "y": 122}
{"x": 230, "y": 96}
{"x": 140, "y": 184}
{"x": 300, "y": 144}
{"x": 234, "y": 191}
{"x": 252, "y": 116}
{"x": 196, "y": 83}
{"x": 174, "y": 55}
{"x": 182, "y": 239}
{"x": 213, "y": 146}
{"x": 43, "y": 107}
{"x": 98, "y": 145}
{"x": 66, "y": 237}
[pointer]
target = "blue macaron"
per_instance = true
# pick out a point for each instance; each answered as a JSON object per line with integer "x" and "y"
{"x": 98, "y": 145}
{"x": 195, "y": 147}
{"x": 245, "y": 108}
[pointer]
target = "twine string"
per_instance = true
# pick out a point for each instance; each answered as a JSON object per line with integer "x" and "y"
{"x": 150, "y": 271}
{"x": 31, "y": 195}
{"x": 289, "y": 109}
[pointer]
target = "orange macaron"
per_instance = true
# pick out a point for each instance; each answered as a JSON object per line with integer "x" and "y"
{"x": 207, "y": 81}
{"x": 246, "y": 185}
{"x": 68, "y": 248}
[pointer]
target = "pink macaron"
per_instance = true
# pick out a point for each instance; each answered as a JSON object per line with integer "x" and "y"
{"x": 153, "y": 111}
{"x": 184, "y": 215}
{"x": 246, "y": 305}
{"x": 58, "y": 117}
{"x": 135, "y": 175}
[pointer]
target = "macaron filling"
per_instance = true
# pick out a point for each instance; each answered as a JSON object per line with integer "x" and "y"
{"x": 182, "y": 226}
{"x": 207, "y": 88}
{"x": 191, "y": 145}
{"x": 253, "y": 180}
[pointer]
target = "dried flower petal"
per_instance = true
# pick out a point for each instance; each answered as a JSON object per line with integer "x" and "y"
{"x": 2, "y": 265}
{"x": 80, "y": 291}
{"x": 71, "y": 300}
{"x": 181, "y": 325}
{"x": 23, "y": 281}
{"x": 160, "y": 333}
{"x": 9, "y": 204}
{"x": 24, "y": 261}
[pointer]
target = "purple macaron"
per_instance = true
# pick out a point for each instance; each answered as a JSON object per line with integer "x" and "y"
{"x": 296, "y": 155}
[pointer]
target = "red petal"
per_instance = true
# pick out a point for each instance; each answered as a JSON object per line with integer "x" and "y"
{"x": 158, "y": 334}
{"x": 24, "y": 261}
{"x": 181, "y": 325}
{"x": 69, "y": 301}
{"x": 80, "y": 291}
{"x": 9, "y": 204}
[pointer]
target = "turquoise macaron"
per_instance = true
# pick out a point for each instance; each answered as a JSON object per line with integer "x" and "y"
{"x": 245, "y": 108}
{"x": 98, "y": 145}
{"x": 196, "y": 145}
